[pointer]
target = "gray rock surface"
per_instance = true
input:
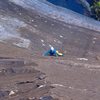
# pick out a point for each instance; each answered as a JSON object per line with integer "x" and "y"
{"x": 72, "y": 77}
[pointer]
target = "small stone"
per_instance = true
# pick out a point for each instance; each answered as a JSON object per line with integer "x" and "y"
{"x": 61, "y": 36}
{"x": 32, "y": 20}
{"x": 41, "y": 86}
{"x": 11, "y": 93}
{"x": 42, "y": 40}
{"x": 41, "y": 77}
{"x": 54, "y": 40}
{"x": 46, "y": 98}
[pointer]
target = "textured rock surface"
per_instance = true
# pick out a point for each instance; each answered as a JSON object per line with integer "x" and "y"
{"x": 25, "y": 34}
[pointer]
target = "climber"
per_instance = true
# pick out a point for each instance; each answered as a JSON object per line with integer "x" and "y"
{"x": 53, "y": 52}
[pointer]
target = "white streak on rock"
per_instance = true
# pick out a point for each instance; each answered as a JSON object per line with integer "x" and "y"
{"x": 59, "y": 85}
{"x": 94, "y": 38}
{"x": 85, "y": 59}
{"x": 32, "y": 20}
{"x": 42, "y": 41}
{"x": 11, "y": 93}
{"x": 41, "y": 86}
{"x": 61, "y": 36}
{"x": 43, "y": 44}
{"x": 55, "y": 41}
